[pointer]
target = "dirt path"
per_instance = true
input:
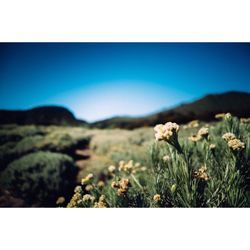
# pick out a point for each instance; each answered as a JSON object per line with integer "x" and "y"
{"x": 83, "y": 158}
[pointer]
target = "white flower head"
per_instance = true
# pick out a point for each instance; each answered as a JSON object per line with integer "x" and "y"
{"x": 166, "y": 131}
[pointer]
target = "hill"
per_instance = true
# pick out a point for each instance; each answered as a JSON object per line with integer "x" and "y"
{"x": 237, "y": 103}
{"x": 47, "y": 115}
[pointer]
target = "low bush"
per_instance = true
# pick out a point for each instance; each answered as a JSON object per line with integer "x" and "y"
{"x": 39, "y": 178}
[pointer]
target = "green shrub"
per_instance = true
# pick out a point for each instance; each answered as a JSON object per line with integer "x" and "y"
{"x": 14, "y": 133}
{"x": 55, "y": 139}
{"x": 39, "y": 178}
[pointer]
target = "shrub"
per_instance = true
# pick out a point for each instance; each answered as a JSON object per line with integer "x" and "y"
{"x": 205, "y": 169}
{"x": 55, "y": 139}
{"x": 39, "y": 178}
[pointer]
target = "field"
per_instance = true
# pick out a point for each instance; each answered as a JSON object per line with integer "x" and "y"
{"x": 193, "y": 165}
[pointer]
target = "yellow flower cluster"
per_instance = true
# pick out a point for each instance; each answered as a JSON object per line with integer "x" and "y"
{"x": 202, "y": 174}
{"x": 232, "y": 142}
{"x": 236, "y": 144}
{"x": 88, "y": 197}
{"x": 131, "y": 167}
{"x": 101, "y": 202}
{"x": 165, "y": 131}
{"x": 245, "y": 120}
{"x": 78, "y": 189}
{"x": 228, "y": 137}
{"x": 193, "y": 124}
{"x": 111, "y": 169}
{"x": 89, "y": 187}
{"x": 202, "y": 133}
{"x": 194, "y": 138}
{"x": 157, "y": 198}
{"x": 220, "y": 116}
{"x": 121, "y": 186}
{"x": 100, "y": 184}
{"x": 224, "y": 116}
{"x": 74, "y": 200}
{"x": 87, "y": 179}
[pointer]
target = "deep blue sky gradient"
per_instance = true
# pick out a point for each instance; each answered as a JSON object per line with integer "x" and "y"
{"x": 100, "y": 80}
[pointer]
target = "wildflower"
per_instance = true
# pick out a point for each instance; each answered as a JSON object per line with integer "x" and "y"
{"x": 78, "y": 189}
{"x": 228, "y": 116}
{"x": 203, "y": 132}
{"x": 236, "y": 144}
{"x": 212, "y": 146}
{"x": 201, "y": 174}
{"x": 129, "y": 166}
{"x": 111, "y": 168}
{"x": 100, "y": 184}
{"x": 166, "y": 132}
{"x": 114, "y": 184}
{"x": 121, "y": 186}
{"x": 193, "y": 124}
{"x": 194, "y": 138}
{"x": 245, "y": 120}
{"x": 101, "y": 202}
{"x": 157, "y": 198}
{"x": 166, "y": 158}
{"x": 74, "y": 200}
{"x": 88, "y": 197}
{"x": 89, "y": 187}
{"x": 87, "y": 179}
{"x": 60, "y": 200}
{"x": 228, "y": 136}
{"x": 220, "y": 116}
{"x": 173, "y": 188}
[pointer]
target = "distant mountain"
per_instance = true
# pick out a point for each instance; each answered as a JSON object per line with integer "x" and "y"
{"x": 47, "y": 115}
{"x": 237, "y": 103}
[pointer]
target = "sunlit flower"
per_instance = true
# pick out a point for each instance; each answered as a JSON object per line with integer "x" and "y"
{"x": 131, "y": 167}
{"x": 166, "y": 158}
{"x": 203, "y": 132}
{"x": 121, "y": 186}
{"x": 89, "y": 187}
{"x": 88, "y": 197}
{"x": 166, "y": 132}
{"x": 78, "y": 189}
{"x": 236, "y": 144}
{"x": 212, "y": 146}
{"x": 220, "y": 116}
{"x": 245, "y": 120}
{"x": 100, "y": 184}
{"x": 60, "y": 200}
{"x": 194, "y": 138}
{"x": 111, "y": 168}
{"x": 157, "y": 198}
{"x": 74, "y": 200}
{"x": 202, "y": 174}
{"x": 193, "y": 124}
{"x": 87, "y": 179}
{"x": 227, "y": 116}
{"x": 101, "y": 202}
{"x": 229, "y": 136}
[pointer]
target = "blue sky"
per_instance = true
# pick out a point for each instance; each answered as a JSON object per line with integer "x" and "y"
{"x": 100, "y": 80}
